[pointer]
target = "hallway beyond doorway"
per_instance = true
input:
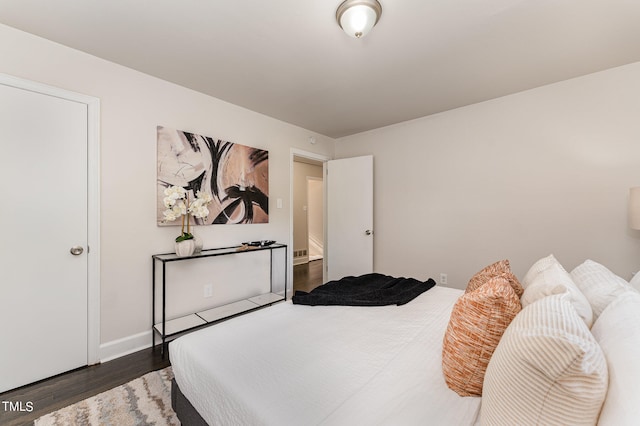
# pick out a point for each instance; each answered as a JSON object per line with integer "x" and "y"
{"x": 307, "y": 276}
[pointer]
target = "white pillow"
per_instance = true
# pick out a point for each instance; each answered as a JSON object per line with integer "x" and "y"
{"x": 553, "y": 280}
{"x": 598, "y": 284}
{"x": 547, "y": 369}
{"x": 617, "y": 330}
{"x": 539, "y": 266}
{"x": 635, "y": 281}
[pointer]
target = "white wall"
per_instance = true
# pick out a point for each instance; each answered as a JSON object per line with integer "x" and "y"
{"x": 132, "y": 105}
{"x": 542, "y": 171}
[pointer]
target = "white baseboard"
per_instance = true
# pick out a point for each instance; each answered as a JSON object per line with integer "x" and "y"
{"x": 125, "y": 346}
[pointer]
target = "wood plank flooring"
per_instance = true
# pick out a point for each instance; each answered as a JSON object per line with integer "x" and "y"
{"x": 307, "y": 276}
{"x": 74, "y": 386}
{"x": 68, "y": 388}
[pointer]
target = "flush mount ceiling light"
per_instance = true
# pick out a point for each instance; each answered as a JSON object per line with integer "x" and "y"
{"x": 357, "y": 17}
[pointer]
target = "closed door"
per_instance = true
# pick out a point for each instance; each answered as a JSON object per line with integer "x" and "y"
{"x": 43, "y": 255}
{"x": 349, "y": 217}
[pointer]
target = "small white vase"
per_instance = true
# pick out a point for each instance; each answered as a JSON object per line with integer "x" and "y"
{"x": 185, "y": 248}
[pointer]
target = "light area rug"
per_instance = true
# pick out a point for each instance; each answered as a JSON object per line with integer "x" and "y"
{"x": 143, "y": 401}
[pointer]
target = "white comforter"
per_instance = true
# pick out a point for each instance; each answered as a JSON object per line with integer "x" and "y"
{"x": 334, "y": 365}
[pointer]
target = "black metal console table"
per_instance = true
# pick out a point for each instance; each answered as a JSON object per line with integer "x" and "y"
{"x": 168, "y": 328}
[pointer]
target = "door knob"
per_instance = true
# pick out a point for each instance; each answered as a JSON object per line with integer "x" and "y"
{"x": 76, "y": 250}
{"x": 368, "y": 232}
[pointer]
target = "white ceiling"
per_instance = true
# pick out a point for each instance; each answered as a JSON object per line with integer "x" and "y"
{"x": 288, "y": 59}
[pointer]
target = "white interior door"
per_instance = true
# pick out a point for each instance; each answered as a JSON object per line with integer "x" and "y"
{"x": 349, "y": 242}
{"x": 43, "y": 287}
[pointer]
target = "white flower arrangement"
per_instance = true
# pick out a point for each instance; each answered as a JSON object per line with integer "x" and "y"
{"x": 177, "y": 205}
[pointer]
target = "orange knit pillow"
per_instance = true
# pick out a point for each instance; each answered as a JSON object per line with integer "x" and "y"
{"x": 498, "y": 269}
{"x": 478, "y": 320}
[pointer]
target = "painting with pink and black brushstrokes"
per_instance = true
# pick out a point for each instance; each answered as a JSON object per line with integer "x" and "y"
{"x": 236, "y": 176}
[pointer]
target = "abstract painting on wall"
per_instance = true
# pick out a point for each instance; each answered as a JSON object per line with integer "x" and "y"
{"x": 236, "y": 176}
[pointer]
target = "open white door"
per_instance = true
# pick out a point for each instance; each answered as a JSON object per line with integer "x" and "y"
{"x": 349, "y": 245}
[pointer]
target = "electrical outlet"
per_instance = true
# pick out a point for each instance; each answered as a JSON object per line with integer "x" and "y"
{"x": 208, "y": 290}
{"x": 443, "y": 279}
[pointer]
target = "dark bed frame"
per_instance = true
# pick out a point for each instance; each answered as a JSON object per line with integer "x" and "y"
{"x": 187, "y": 414}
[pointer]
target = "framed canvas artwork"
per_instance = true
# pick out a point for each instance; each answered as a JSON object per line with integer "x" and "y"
{"x": 236, "y": 176}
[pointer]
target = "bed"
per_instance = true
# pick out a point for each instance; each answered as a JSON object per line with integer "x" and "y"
{"x": 293, "y": 365}
{"x": 569, "y": 353}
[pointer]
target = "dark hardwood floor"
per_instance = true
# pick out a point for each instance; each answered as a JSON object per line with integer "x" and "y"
{"x": 68, "y": 388}
{"x": 307, "y": 276}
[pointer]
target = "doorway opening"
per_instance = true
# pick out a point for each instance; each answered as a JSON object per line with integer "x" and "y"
{"x": 315, "y": 217}
{"x": 307, "y": 220}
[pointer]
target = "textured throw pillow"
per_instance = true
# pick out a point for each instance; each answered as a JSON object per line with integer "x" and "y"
{"x": 547, "y": 370}
{"x": 555, "y": 279}
{"x": 476, "y": 325}
{"x": 497, "y": 269}
{"x": 599, "y": 285}
{"x": 617, "y": 330}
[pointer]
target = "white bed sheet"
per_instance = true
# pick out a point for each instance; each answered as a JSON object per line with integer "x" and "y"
{"x": 324, "y": 365}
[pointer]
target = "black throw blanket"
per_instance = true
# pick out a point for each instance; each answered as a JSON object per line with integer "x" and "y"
{"x": 365, "y": 290}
